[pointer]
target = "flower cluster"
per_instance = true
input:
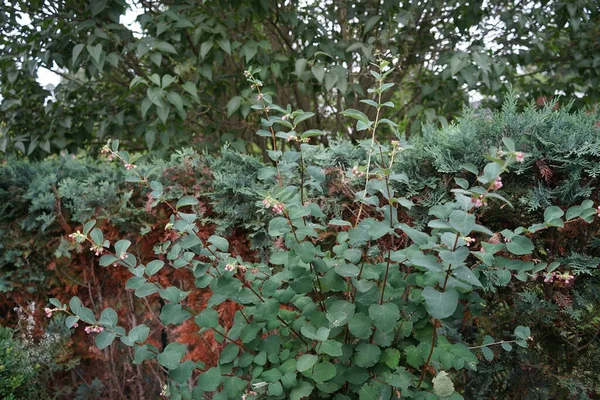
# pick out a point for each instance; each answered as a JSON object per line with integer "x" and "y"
{"x": 356, "y": 171}
{"x": 230, "y": 267}
{"x": 478, "y": 201}
{"x": 49, "y": 311}
{"x": 93, "y": 329}
{"x": 397, "y": 146}
{"x": 564, "y": 277}
{"x": 497, "y": 183}
{"x": 275, "y": 205}
{"x": 469, "y": 240}
{"x": 519, "y": 155}
{"x": 77, "y": 236}
{"x": 97, "y": 249}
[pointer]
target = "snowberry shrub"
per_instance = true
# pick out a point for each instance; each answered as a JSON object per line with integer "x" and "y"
{"x": 377, "y": 314}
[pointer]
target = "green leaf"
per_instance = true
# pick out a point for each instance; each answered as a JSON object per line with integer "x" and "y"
{"x": 440, "y": 305}
{"x": 105, "y": 339}
{"x": 210, "y": 380}
{"x": 165, "y": 47}
{"x": 121, "y": 246}
{"x": 415, "y": 235}
{"x": 360, "y": 326}
{"x": 318, "y": 71}
{"x": 108, "y": 318}
{"x": 306, "y": 361}
{"x": 552, "y": 213}
{"x": 300, "y": 66}
{"x": 487, "y": 353}
{"x": 186, "y": 201}
{"x": 339, "y": 222}
{"x": 233, "y": 105}
{"x": 384, "y": 316}
{"x": 225, "y": 45}
{"x": 391, "y": 357}
{"x": 442, "y": 384}
{"x": 76, "y": 52}
{"x": 173, "y": 314}
{"x": 306, "y": 250}
{"x": 220, "y": 243}
{"x": 146, "y": 289}
{"x": 366, "y": 355}
{"x": 172, "y": 355}
{"x": 153, "y": 267}
{"x": 71, "y": 320}
{"x": 184, "y": 372}
{"x": 323, "y": 371}
{"x": 466, "y": 275}
{"x": 95, "y": 52}
{"x": 462, "y": 222}
{"x": 520, "y": 245}
{"x": 302, "y": 390}
{"x": 357, "y": 115}
{"x": 208, "y": 318}
{"x": 205, "y": 48}
{"x": 229, "y": 353}
{"x": 331, "y": 347}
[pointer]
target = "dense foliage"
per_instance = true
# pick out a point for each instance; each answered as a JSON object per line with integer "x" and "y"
{"x": 175, "y": 78}
{"x": 496, "y": 287}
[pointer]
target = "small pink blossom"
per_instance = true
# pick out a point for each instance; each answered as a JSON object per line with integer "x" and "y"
{"x": 478, "y": 201}
{"x": 130, "y": 166}
{"x": 110, "y": 157}
{"x": 469, "y": 240}
{"x": 291, "y": 137}
{"x": 230, "y": 267}
{"x": 75, "y": 325}
{"x": 48, "y": 312}
{"x": 278, "y": 208}
{"x": 519, "y": 156}
{"x": 122, "y": 256}
{"x": 497, "y": 183}
{"x": 93, "y": 329}
{"x": 97, "y": 249}
{"x": 598, "y": 210}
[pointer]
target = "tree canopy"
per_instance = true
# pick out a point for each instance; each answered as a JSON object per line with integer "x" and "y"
{"x": 177, "y": 77}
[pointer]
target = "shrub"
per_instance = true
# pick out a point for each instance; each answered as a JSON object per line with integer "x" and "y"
{"x": 350, "y": 301}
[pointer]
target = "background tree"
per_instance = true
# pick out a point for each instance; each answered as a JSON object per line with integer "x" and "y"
{"x": 180, "y": 79}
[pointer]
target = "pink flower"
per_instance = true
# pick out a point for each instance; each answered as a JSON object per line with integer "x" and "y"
{"x": 130, "y": 166}
{"x": 75, "y": 325}
{"x": 110, "y": 157}
{"x": 230, "y": 267}
{"x": 122, "y": 256}
{"x": 478, "y": 201}
{"x": 93, "y": 329}
{"x": 48, "y": 312}
{"x": 519, "y": 156}
{"x": 97, "y": 249}
{"x": 291, "y": 137}
{"x": 469, "y": 240}
{"x": 598, "y": 210}
{"x": 278, "y": 208}
{"x": 497, "y": 183}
